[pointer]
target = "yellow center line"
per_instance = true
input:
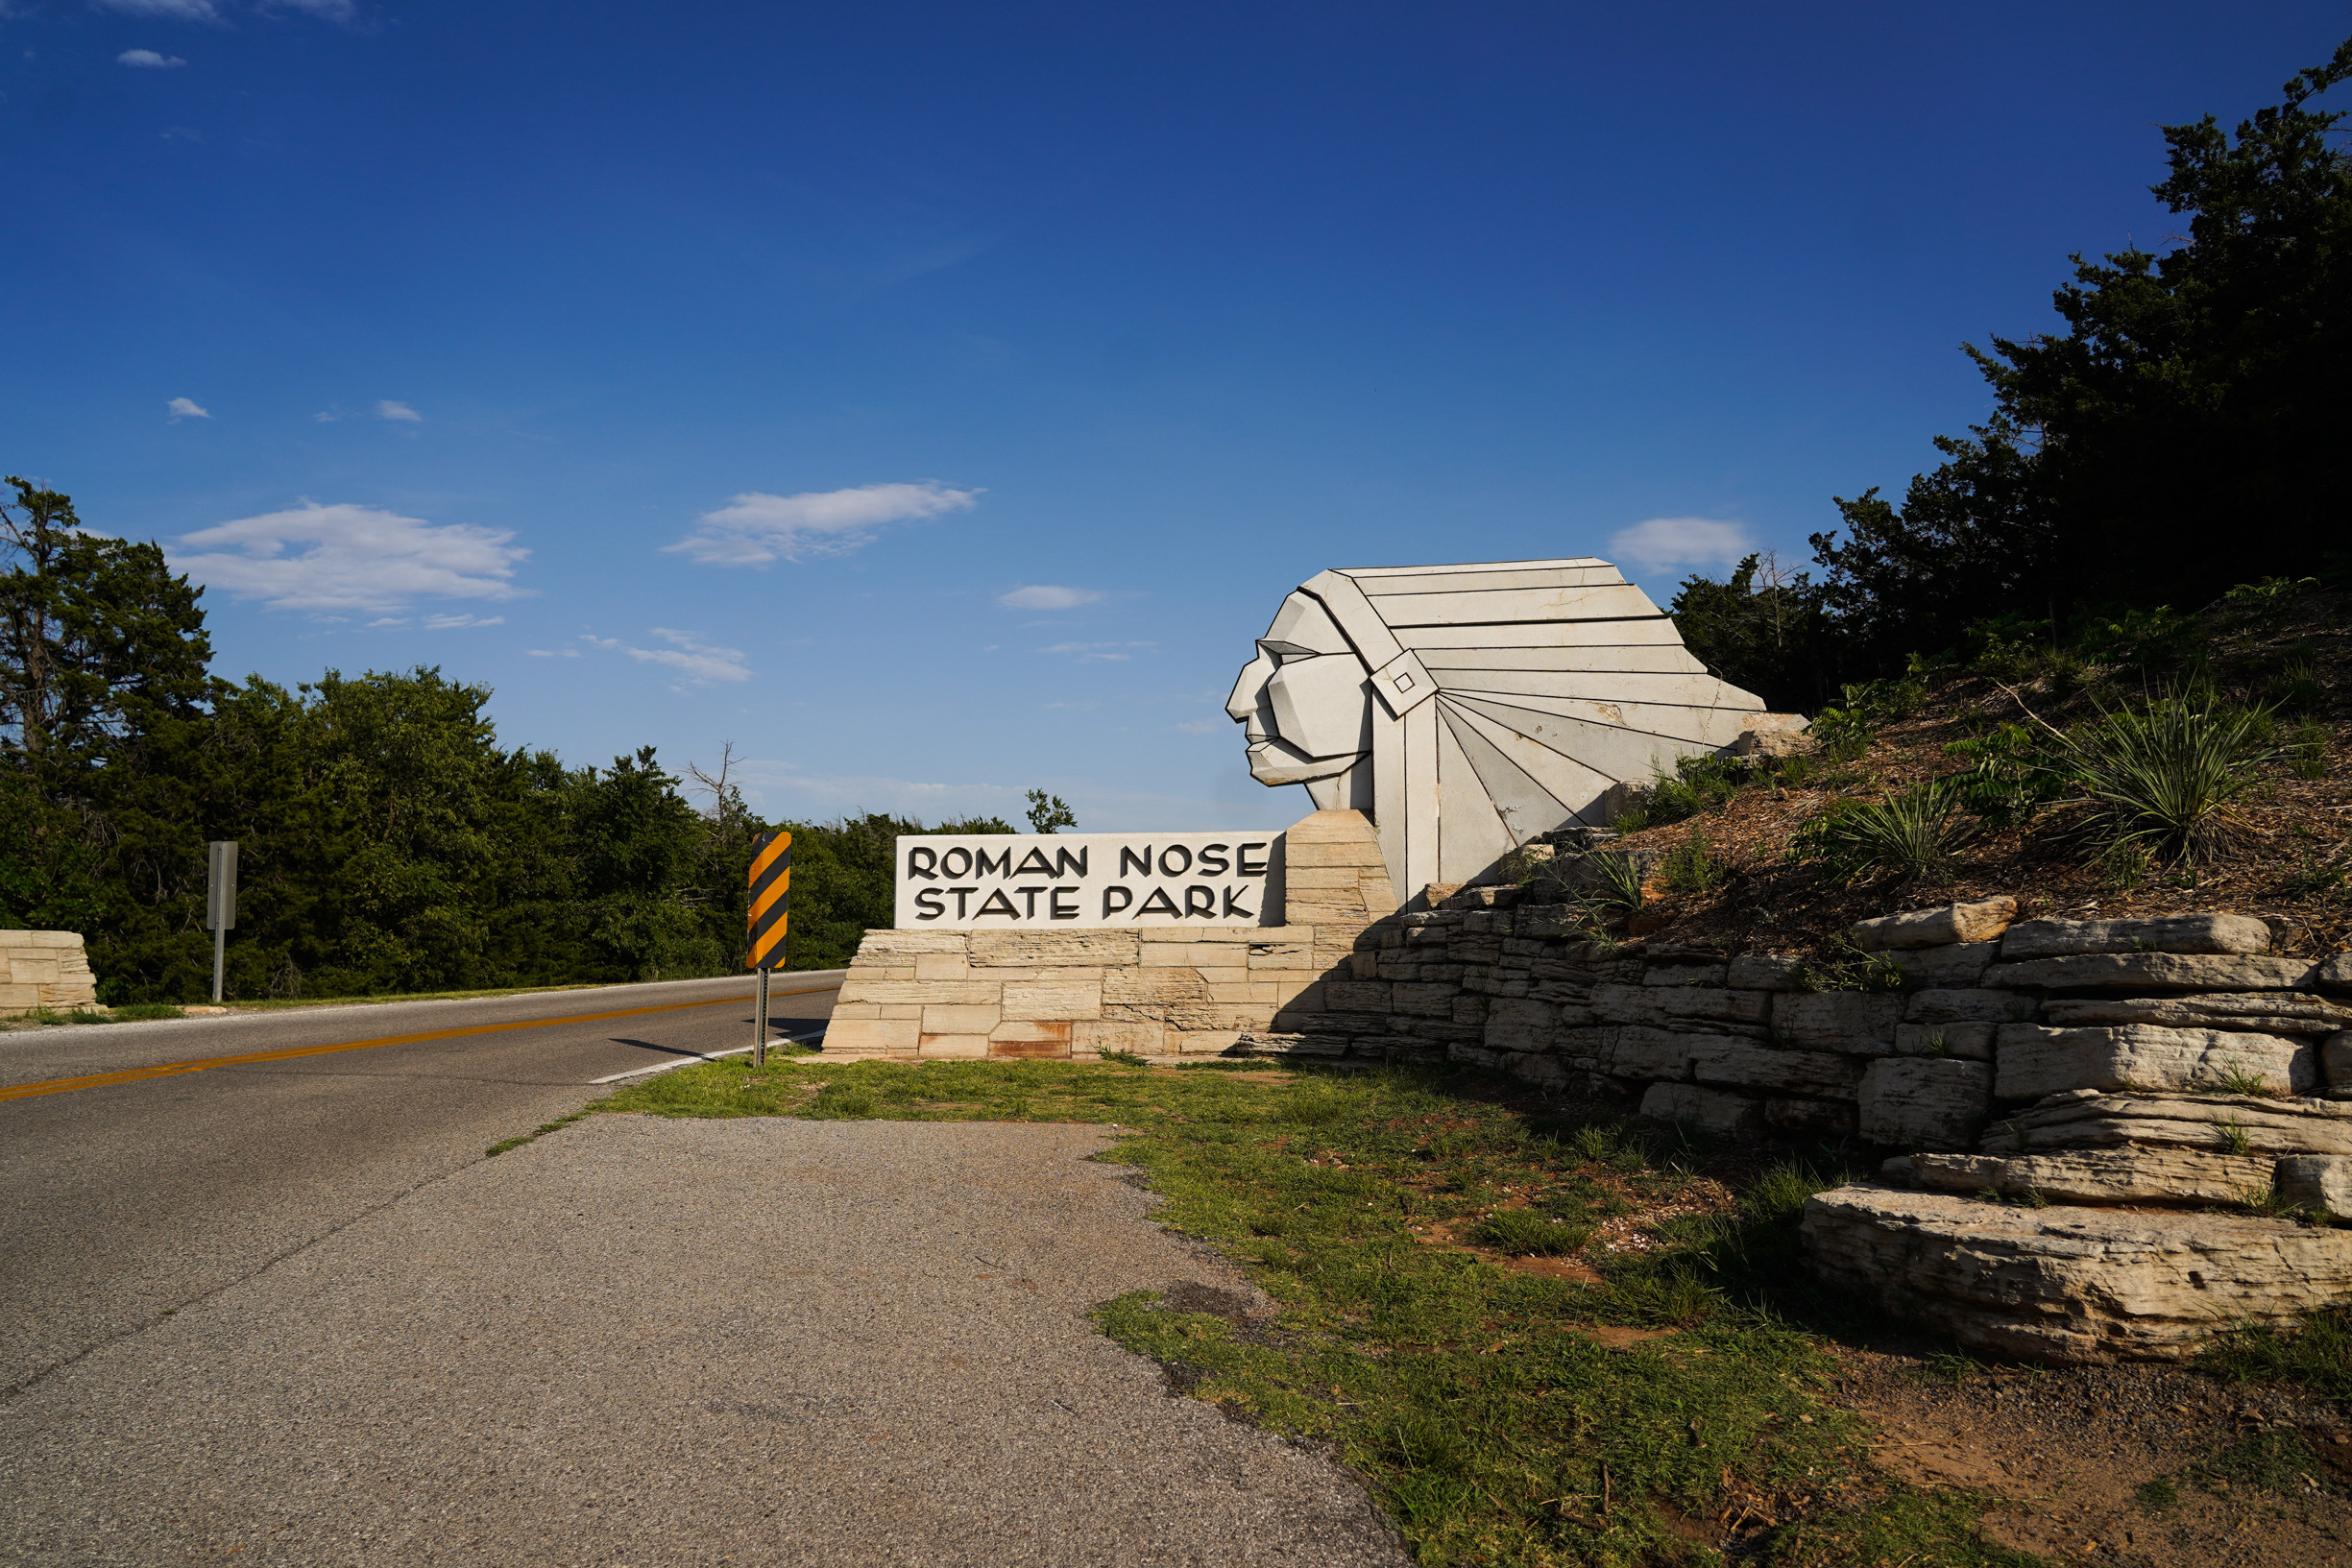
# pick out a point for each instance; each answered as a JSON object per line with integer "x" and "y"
{"x": 164, "y": 1069}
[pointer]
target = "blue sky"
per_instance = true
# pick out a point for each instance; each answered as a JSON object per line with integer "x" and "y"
{"x": 936, "y": 400}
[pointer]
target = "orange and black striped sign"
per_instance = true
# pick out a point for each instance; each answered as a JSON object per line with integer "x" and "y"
{"x": 771, "y": 899}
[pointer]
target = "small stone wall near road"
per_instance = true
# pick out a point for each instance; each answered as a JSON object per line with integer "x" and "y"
{"x": 1153, "y": 991}
{"x": 44, "y": 969}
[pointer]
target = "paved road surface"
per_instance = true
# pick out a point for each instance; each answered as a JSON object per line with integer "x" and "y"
{"x": 132, "y": 1199}
{"x": 286, "y": 1313}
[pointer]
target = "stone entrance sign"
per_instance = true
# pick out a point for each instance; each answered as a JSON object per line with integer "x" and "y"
{"x": 1074, "y": 881}
{"x": 1470, "y": 708}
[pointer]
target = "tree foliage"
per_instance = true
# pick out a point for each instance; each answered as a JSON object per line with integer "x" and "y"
{"x": 2181, "y": 432}
{"x": 389, "y": 842}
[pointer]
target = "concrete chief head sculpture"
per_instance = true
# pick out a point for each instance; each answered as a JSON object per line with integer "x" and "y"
{"x": 1471, "y": 709}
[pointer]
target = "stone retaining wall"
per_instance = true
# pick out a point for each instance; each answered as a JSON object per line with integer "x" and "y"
{"x": 44, "y": 969}
{"x": 1154, "y": 991}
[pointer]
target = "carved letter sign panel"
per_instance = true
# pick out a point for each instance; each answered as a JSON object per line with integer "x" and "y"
{"x": 1003, "y": 881}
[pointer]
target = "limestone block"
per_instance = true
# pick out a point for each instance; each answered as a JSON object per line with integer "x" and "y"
{"x": 1743, "y": 1063}
{"x": 941, "y": 966}
{"x": 900, "y": 1010}
{"x": 1295, "y": 953}
{"x": 1707, "y": 975}
{"x": 1667, "y": 1006}
{"x": 1763, "y": 972}
{"x": 994, "y": 949}
{"x": 2090, "y": 1120}
{"x": 1469, "y": 1009}
{"x": 2155, "y": 972}
{"x": 848, "y": 1037}
{"x": 1206, "y": 1042}
{"x": 1095, "y": 1036}
{"x": 1419, "y": 1000}
{"x": 961, "y": 1020}
{"x": 2068, "y": 1284}
{"x": 1644, "y": 1054}
{"x": 884, "y": 945}
{"x": 1957, "y": 967}
{"x": 1980, "y": 922}
{"x": 2337, "y": 973}
{"x": 856, "y": 1009}
{"x": 2336, "y": 1062}
{"x": 1925, "y": 1101}
{"x": 2268, "y": 1012}
{"x": 2108, "y": 1175}
{"x": 2318, "y": 1182}
{"x": 922, "y": 993}
{"x": 1968, "y": 1007}
{"x": 1302, "y": 855}
{"x": 936, "y": 1046}
{"x": 1857, "y": 1023}
{"x": 1140, "y": 986}
{"x": 19, "y": 999}
{"x": 2211, "y": 933}
{"x": 1969, "y": 1042}
{"x": 2036, "y": 1061}
{"x": 1710, "y": 1110}
{"x": 1813, "y": 1118}
{"x": 1057, "y": 999}
{"x": 1359, "y": 996}
{"x": 1243, "y": 991}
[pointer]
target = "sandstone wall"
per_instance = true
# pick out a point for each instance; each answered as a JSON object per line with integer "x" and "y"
{"x": 44, "y": 969}
{"x": 1154, "y": 991}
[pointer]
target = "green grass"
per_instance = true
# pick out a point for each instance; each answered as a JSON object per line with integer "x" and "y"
{"x": 2316, "y": 1354}
{"x": 1477, "y": 1401}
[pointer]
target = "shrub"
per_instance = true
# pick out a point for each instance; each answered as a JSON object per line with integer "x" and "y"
{"x": 1844, "y": 735}
{"x": 2161, "y": 640}
{"x": 1690, "y": 866}
{"x": 1697, "y": 784}
{"x": 2167, "y": 775}
{"x": 1910, "y": 834}
{"x": 2267, "y": 603}
{"x": 2011, "y": 775}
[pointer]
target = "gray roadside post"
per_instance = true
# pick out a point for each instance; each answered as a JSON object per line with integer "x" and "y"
{"x": 220, "y": 903}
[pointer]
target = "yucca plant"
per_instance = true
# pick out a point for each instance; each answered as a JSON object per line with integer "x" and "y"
{"x": 2167, "y": 778}
{"x": 1910, "y": 834}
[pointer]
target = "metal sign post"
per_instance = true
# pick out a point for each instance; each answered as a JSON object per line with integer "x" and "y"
{"x": 220, "y": 903}
{"x": 771, "y": 905}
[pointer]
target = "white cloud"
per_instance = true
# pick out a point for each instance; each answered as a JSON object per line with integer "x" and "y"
{"x": 177, "y": 11}
{"x": 148, "y": 59}
{"x": 445, "y": 623}
{"x": 756, "y": 527}
{"x": 1089, "y": 652}
{"x": 1047, "y": 596}
{"x": 186, "y": 408}
{"x": 350, "y": 558}
{"x": 1664, "y": 543}
{"x": 698, "y": 662}
{"x": 555, "y": 653}
{"x": 328, "y": 10}
{"x": 387, "y": 409}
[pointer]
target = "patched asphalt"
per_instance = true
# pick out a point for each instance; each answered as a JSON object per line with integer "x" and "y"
{"x": 642, "y": 1341}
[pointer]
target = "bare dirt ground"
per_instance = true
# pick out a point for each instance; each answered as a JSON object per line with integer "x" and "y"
{"x": 2070, "y": 1451}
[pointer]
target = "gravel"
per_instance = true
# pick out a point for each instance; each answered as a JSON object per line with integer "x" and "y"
{"x": 648, "y": 1341}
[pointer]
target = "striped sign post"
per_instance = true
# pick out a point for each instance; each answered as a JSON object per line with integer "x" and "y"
{"x": 771, "y": 906}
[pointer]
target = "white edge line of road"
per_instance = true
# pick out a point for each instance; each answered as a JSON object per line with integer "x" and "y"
{"x": 698, "y": 1056}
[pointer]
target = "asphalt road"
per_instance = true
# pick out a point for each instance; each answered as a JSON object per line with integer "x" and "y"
{"x": 286, "y": 1312}
{"x": 130, "y": 1200}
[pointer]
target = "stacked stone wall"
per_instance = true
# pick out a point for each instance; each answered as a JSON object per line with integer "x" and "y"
{"x": 44, "y": 969}
{"x": 1151, "y": 990}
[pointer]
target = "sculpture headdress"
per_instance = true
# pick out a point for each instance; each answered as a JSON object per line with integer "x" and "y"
{"x": 1471, "y": 709}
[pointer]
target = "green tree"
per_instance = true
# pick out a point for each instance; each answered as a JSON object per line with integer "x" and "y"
{"x": 2185, "y": 431}
{"x": 1049, "y": 814}
{"x": 1763, "y": 629}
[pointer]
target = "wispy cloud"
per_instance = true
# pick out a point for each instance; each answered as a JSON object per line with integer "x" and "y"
{"x": 1048, "y": 596}
{"x": 554, "y": 653}
{"x": 346, "y": 557}
{"x": 326, "y": 11}
{"x": 757, "y": 528}
{"x": 1665, "y": 543}
{"x": 449, "y": 623}
{"x": 177, "y": 11}
{"x": 1088, "y": 652}
{"x": 387, "y": 409}
{"x": 186, "y": 408}
{"x": 148, "y": 59}
{"x": 699, "y": 663}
